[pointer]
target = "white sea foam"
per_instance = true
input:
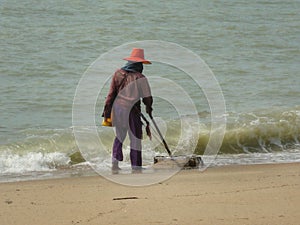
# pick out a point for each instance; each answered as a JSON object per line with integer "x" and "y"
{"x": 31, "y": 162}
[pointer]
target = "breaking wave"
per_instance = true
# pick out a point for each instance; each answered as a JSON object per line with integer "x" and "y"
{"x": 247, "y": 133}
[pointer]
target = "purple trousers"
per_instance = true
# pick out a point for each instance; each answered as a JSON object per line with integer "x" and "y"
{"x": 134, "y": 129}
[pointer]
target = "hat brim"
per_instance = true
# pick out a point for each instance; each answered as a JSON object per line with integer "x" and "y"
{"x": 136, "y": 59}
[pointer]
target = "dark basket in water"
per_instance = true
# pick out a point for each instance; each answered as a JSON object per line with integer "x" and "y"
{"x": 187, "y": 162}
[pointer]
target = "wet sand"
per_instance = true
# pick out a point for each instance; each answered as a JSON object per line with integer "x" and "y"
{"x": 255, "y": 194}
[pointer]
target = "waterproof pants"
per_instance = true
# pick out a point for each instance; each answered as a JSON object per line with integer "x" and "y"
{"x": 134, "y": 130}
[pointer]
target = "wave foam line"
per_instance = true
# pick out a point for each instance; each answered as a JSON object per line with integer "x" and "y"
{"x": 33, "y": 161}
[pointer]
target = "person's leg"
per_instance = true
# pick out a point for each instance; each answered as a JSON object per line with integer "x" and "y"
{"x": 117, "y": 153}
{"x": 135, "y": 136}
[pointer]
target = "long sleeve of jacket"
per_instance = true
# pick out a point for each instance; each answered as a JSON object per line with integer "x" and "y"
{"x": 148, "y": 103}
{"x": 113, "y": 91}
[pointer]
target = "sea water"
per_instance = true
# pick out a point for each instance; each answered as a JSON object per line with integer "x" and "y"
{"x": 252, "y": 47}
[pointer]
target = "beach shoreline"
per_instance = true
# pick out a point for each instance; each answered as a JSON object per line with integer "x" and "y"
{"x": 248, "y": 194}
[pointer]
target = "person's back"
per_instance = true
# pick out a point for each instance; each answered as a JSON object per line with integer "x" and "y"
{"x": 127, "y": 87}
{"x": 133, "y": 87}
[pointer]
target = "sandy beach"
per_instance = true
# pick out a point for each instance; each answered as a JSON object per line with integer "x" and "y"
{"x": 255, "y": 194}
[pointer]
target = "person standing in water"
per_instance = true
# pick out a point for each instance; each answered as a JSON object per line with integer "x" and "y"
{"x": 123, "y": 108}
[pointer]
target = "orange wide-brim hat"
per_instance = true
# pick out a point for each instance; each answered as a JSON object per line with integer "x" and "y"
{"x": 137, "y": 55}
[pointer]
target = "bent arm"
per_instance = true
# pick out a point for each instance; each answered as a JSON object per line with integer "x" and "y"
{"x": 148, "y": 101}
{"x": 110, "y": 99}
{"x": 146, "y": 95}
